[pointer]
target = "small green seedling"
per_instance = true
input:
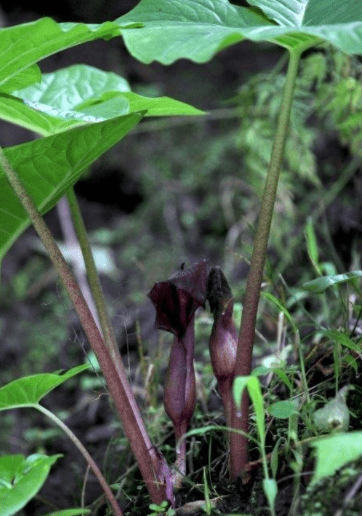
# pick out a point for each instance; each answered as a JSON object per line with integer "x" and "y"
{"x": 161, "y": 509}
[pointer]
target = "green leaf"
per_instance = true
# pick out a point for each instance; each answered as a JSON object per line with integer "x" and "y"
{"x": 21, "y": 478}
{"x": 69, "y": 87}
{"x": 208, "y": 506}
{"x": 309, "y": 12}
{"x": 334, "y": 452}
{"x": 284, "y": 378}
{"x": 320, "y": 285}
{"x": 282, "y": 409}
{"x": 312, "y": 245}
{"x": 198, "y": 29}
{"x": 194, "y": 29}
{"x": 40, "y": 118}
{"x": 78, "y": 95}
{"x": 271, "y": 490}
{"x": 23, "y": 45}
{"x": 274, "y": 459}
{"x": 280, "y": 306}
{"x": 261, "y": 371}
{"x": 343, "y": 340}
{"x": 48, "y": 167}
{"x": 51, "y": 105}
{"x": 29, "y": 390}
{"x": 351, "y": 362}
{"x": 22, "y": 79}
{"x": 253, "y": 385}
{"x": 160, "y": 106}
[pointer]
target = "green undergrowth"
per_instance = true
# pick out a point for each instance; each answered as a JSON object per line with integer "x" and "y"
{"x": 293, "y": 393}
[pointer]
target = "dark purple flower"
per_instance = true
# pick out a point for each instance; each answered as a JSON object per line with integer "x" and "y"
{"x": 177, "y": 299}
{"x": 223, "y": 339}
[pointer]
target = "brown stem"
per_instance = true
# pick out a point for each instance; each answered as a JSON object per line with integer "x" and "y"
{"x": 240, "y": 420}
{"x": 116, "y": 378}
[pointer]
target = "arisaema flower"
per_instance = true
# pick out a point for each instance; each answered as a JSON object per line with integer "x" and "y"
{"x": 176, "y": 301}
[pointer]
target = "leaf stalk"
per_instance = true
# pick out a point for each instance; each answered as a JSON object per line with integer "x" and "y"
{"x": 240, "y": 419}
{"x": 93, "y": 466}
{"x": 116, "y": 377}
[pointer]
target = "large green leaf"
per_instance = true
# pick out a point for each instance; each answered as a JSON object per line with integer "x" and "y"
{"x": 198, "y": 29}
{"x": 23, "y": 45}
{"x": 334, "y": 452}
{"x": 22, "y": 79}
{"x": 29, "y": 390}
{"x": 78, "y": 95}
{"x": 41, "y": 118}
{"x": 310, "y": 12}
{"x": 48, "y": 167}
{"x": 195, "y": 29}
{"x": 21, "y": 478}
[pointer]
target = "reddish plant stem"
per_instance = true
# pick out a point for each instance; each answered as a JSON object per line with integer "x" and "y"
{"x": 116, "y": 378}
{"x": 240, "y": 419}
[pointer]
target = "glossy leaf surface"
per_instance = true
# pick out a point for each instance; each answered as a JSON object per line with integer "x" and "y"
{"x": 29, "y": 390}
{"x": 20, "y": 480}
{"x": 48, "y": 167}
{"x": 24, "y": 45}
{"x": 198, "y": 29}
{"x": 78, "y": 95}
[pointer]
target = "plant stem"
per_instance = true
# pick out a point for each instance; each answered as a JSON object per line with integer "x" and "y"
{"x": 93, "y": 466}
{"x": 71, "y": 240}
{"x": 239, "y": 451}
{"x": 116, "y": 377}
{"x": 93, "y": 278}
